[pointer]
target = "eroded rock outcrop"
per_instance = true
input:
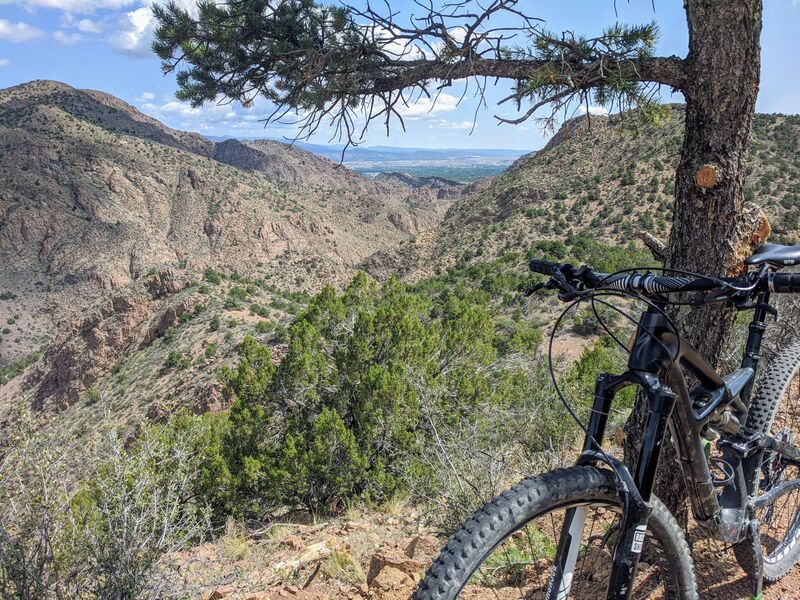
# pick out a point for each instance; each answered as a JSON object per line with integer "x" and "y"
{"x": 118, "y": 324}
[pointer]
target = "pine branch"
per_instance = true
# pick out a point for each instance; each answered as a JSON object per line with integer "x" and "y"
{"x": 346, "y": 66}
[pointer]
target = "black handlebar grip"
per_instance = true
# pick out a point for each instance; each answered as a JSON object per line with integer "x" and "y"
{"x": 543, "y": 266}
{"x": 787, "y": 283}
{"x": 685, "y": 284}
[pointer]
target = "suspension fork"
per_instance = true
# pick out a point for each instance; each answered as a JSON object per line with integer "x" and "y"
{"x": 634, "y": 491}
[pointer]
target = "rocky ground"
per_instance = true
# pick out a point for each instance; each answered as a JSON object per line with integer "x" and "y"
{"x": 379, "y": 556}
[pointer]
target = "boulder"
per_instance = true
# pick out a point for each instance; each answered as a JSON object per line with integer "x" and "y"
{"x": 222, "y": 592}
{"x": 423, "y": 546}
{"x": 400, "y": 562}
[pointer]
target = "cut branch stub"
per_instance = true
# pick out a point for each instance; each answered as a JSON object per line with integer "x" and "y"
{"x": 706, "y": 177}
{"x": 752, "y": 230}
{"x": 657, "y": 248}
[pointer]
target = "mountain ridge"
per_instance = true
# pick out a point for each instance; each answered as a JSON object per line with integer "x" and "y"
{"x": 95, "y": 195}
{"x": 606, "y": 177}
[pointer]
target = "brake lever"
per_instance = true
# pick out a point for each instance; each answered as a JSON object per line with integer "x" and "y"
{"x": 567, "y": 290}
{"x": 740, "y": 300}
{"x": 556, "y": 282}
{"x": 534, "y": 288}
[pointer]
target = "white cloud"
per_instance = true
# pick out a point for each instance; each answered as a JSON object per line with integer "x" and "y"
{"x": 445, "y": 124}
{"x": 18, "y": 32}
{"x": 398, "y": 49}
{"x": 135, "y": 32}
{"x": 593, "y": 110}
{"x": 68, "y": 39}
{"x": 457, "y": 33}
{"x": 401, "y": 49}
{"x": 428, "y": 107}
{"x": 4, "y": 62}
{"x": 89, "y": 26}
{"x": 146, "y": 97}
{"x": 189, "y": 116}
{"x": 136, "y": 27}
{"x": 216, "y": 119}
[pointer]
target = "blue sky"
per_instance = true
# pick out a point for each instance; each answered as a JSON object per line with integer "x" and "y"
{"x": 104, "y": 44}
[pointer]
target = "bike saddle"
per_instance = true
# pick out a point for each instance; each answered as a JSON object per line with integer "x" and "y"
{"x": 775, "y": 255}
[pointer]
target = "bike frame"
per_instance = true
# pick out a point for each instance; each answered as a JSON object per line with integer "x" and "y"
{"x": 656, "y": 365}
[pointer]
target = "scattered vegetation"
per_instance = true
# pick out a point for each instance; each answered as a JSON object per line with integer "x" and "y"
{"x": 103, "y": 539}
{"x": 13, "y": 369}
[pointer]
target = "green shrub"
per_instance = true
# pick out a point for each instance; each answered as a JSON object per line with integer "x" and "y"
{"x": 257, "y": 309}
{"x": 341, "y": 416}
{"x": 265, "y": 326}
{"x": 602, "y": 356}
{"x": 92, "y": 396}
{"x": 13, "y": 369}
{"x": 587, "y": 323}
{"x": 212, "y": 276}
{"x": 138, "y": 501}
{"x": 177, "y": 359}
{"x": 238, "y": 293}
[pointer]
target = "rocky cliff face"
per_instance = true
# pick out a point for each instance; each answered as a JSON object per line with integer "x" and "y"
{"x": 95, "y": 195}
{"x": 122, "y": 323}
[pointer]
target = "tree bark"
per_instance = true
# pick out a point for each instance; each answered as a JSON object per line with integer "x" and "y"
{"x": 722, "y": 78}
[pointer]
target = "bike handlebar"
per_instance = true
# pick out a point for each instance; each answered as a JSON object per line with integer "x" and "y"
{"x": 545, "y": 267}
{"x": 786, "y": 283}
{"x": 650, "y": 284}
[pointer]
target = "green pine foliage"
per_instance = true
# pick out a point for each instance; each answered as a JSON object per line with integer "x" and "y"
{"x": 350, "y": 410}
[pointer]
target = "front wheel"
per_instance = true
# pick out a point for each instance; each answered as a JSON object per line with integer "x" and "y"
{"x": 507, "y": 548}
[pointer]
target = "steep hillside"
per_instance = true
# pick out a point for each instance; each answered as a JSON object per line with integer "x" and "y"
{"x": 608, "y": 177}
{"x": 142, "y": 351}
{"x": 95, "y": 195}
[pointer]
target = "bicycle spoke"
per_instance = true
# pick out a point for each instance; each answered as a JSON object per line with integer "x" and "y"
{"x": 521, "y": 566}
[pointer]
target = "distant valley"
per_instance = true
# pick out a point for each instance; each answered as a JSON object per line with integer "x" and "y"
{"x": 461, "y": 165}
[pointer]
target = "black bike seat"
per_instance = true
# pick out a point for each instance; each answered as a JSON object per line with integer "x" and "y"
{"x": 775, "y": 255}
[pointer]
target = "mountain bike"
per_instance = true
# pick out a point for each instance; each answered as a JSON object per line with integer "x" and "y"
{"x": 596, "y": 530}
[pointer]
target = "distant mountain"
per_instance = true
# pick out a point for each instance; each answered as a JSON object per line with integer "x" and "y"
{"x": 460, "y": 165}
{"x": 95, "y": 195}
{"x": 392, "y": 153}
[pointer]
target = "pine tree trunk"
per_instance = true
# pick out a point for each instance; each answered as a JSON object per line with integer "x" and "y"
{"x": 722, "y": 81}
